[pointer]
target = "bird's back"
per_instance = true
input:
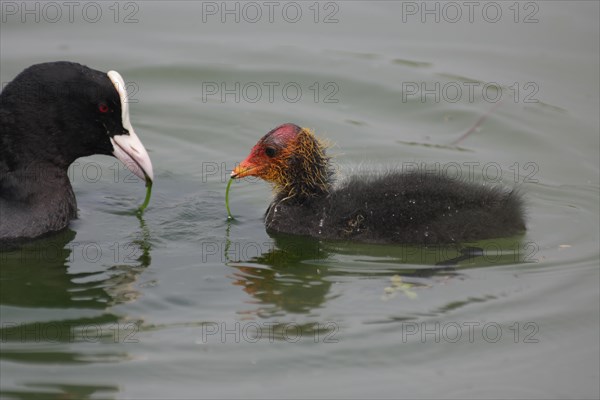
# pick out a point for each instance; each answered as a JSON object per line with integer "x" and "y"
{"x": 417, "y": 208}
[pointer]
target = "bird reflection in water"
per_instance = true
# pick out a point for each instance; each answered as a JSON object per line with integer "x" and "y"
{"x": 296, "y": 274}
{"x": 277, "y": 281}
{"x": 62, "y": 299}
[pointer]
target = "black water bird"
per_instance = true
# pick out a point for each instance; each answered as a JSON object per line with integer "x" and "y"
{"x": 391, "y": 207}
{"x": 51, "y": 114}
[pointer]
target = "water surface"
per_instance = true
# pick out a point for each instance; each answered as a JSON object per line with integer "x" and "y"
{"x": 180, "y": 303}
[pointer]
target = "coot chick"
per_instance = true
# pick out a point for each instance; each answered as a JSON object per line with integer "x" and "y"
{"x": 52, "y": 114}
{"x": 393, "y": 207}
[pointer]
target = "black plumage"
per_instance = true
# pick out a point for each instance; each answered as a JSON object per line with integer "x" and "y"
{"x": 392, "y": 207}
{"x": 52, "y": 114}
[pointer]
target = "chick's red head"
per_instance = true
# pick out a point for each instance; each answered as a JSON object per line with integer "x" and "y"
{"x": 268, "y": 158}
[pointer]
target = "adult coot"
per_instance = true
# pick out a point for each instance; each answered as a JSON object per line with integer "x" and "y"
{"x": 52, "y": 114}
{"x": 393, "y": 207}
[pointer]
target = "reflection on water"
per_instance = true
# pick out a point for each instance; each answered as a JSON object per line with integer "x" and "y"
{"x": 295, "y": 280}
{"x": 296, "y": 274}
{"x": 48, "y": 309}
{"x": 63, "y": 392}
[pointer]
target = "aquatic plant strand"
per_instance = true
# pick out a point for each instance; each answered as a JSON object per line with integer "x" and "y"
{"x": 148, "y": 194}
{"x": 229, "y": 216}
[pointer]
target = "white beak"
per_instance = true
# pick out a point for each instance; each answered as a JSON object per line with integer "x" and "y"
{"x": 128, "y": 148}
{"x": 131, "y": 152}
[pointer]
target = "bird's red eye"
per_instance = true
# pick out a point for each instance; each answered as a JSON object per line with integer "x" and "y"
{"x": 103, "y": 108}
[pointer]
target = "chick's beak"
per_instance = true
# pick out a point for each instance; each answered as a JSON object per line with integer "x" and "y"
{"x": 245, "y": 168}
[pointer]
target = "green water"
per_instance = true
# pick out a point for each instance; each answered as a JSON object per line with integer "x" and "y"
{"x": 181, "y": 303}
